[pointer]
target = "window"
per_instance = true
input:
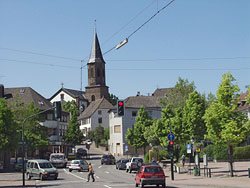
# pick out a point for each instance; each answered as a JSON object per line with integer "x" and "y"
{"x": 99, "y": 112}
{"x": 117, "y": 128}
{"x": 22, "y": 91}
{"x": 100, "y": 120}
{"x": 134, "y": 113}
{"x": 62, "y": 96}
{"x": 50, "y": 116}
{"x": 93, "y": 98}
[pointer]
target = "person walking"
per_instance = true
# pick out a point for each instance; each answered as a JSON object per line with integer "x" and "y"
{"x": 183, "y": 159}
{"x": 91, "y": 173}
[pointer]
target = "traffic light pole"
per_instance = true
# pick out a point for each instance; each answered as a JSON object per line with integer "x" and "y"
{"x": 172, "y": 151}
{"x": 23, "y": 138}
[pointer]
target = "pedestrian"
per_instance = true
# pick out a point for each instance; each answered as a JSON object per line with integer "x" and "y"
{"x": 183, "y": 159}
{"x": 91, "y": 172}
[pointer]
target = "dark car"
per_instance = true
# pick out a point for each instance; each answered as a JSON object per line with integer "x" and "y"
{"x": 121, "y": 164}
{"x": 81, "y": 153}
{"x": 107, "y": 159}
{"x": 150, "y": 175}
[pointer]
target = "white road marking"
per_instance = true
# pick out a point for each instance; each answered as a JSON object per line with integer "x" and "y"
{"x": 75, "y": 175}
{"x": 100, "y": 167}
{"x": 107, "y": 186}
{"x": 106, "y": 172}
{"x": 97, "y": 177}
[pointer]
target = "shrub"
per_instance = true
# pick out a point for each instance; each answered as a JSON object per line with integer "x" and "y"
{"x": 218, "y": 152}
{"x": 242, "y": 152}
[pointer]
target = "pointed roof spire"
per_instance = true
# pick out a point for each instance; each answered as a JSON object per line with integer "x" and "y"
{"x": 96, "y": 53}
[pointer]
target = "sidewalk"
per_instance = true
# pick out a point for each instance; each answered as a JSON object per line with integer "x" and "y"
{"x": 220, "y": 176}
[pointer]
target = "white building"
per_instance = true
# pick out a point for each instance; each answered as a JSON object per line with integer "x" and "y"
{"x": 119, "y": 125}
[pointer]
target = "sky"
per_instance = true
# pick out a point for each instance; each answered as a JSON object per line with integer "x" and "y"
{"x": 43, "y": 43}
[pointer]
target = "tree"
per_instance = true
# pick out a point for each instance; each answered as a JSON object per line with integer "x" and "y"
{"x": 193, "y": 112}
{"x": 99, "y": 135}
{"x": 73, "y": 134}
{"x": 8, "y": 130}
{"x": 113, "y": 99}
{"x": 224, "y": 123}
{"x": 143, "y": 120}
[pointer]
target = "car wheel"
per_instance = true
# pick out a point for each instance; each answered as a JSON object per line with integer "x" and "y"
{"x": 136, "y": 184}
{"x": 79, "y": 170}
{"x": 142, "y": 185}
{"x": 163, "y": 185}
{"x": 55, "y": 178}
{"x": 70, "y": 170}
{"x": 41, "y": 177}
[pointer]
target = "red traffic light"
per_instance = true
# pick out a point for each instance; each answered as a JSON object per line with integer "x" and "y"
{"x": 171, "y": 143}
{"x": 120, "y": 103}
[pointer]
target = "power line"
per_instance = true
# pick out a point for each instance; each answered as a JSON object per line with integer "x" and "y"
{"x": 41, "y": 54}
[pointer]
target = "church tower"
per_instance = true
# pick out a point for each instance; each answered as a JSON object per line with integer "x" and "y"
{"x": 96, "y": 88}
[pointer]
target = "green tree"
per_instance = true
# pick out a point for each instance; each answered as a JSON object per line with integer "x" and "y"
{"x": 193, "y": 112}
{"x": 224, "y": 123}
{"x": 8, "y": 130}
{"x": 99, "y": 135}
{"x": 113, "y": 99}
{"x": 73, "y": 134}
{"x": 143, "y": 120}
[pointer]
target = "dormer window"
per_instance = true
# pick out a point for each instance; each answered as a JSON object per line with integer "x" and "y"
{"x": 22, "y": 91}
{"x": 41, "y": 103}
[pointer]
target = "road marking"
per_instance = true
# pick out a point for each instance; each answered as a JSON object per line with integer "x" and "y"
{"x": 107, "y": 186}
{"x": 100, "y": 167}
{"x": 75, "y": 175}
{"x": 97, "y": 177}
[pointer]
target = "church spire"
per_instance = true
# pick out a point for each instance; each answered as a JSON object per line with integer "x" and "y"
{"x": 96, "y": 53}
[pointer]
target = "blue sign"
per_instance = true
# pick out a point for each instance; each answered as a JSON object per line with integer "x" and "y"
{"x": 171, "y": 137}
{"x": 189, "y": 148}
{"x": 126, "y": 148}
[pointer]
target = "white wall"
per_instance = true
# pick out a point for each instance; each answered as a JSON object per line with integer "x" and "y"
{"x": 67, "y": 97}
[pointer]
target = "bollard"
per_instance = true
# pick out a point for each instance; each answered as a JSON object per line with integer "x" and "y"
{"x": 210, "y": 172}
{"x": 249, "y": 172}
{"x": 195, "y": 171}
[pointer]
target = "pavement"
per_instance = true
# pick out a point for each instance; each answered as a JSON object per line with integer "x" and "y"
{"x": 220, "y": 176}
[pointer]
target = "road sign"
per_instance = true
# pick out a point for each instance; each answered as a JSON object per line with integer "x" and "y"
{"x": 126, "y": 148}
{"x": 171, "y": 137}
{"x": 189, "y": 148}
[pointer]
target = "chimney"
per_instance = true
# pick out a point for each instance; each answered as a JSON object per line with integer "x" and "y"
{"x": 138, "y": 93}
{"x": 1, "y": 91}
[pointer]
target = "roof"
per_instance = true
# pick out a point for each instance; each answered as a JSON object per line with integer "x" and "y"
{"x": 97, "y": 104}
{"x": 27, "y": 95}
{"x": 242, "y": 104}
{"x": 73, "y": 93}
{"x": 96, "y": 53}
{"x": 146, "y": 101}
{"x": 161, "y": 92}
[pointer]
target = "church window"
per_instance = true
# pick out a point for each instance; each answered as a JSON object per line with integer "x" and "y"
{"x": 93, "y": 98}
{"x": 100, "y": 120}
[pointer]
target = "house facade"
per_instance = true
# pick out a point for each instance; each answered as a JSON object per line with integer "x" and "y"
{"x": 56, "y": 128}
{"x": 119, "y": 125}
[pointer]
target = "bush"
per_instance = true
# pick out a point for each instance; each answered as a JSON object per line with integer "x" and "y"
{"x": 218, "y": 152}
{"x": 242, "y": 152}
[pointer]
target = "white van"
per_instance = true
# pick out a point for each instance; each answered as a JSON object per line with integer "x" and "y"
{"x": 58, "y": 160}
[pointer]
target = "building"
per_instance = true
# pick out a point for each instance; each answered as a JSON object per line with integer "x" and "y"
{"x": 119, "y": 125}
{"x": 56, "y": 128}
{"x": 96, "y": 93}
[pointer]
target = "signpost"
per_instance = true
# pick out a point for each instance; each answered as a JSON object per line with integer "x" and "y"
{"x": 171, "y": 137}
{"x": 189, "y": 148}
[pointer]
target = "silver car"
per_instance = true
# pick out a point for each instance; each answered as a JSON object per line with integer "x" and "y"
{"x": 79, "y": 165}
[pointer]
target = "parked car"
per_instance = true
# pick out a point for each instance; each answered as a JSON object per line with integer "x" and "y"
{"x": 79, "y": 165}
{"x": 88, "y": 142}
{"x": 41, "y": 168}
{"x": 150, "y": 175}
{"x": 121, "y": 164}
{"x": 134, "y": 164}
{"x": 58, "y": 160}
{"x": 107, "y": 159}
{"x": 19, "y": 164}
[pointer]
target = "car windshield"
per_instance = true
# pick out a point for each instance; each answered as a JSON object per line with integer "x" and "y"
{"x": 45, "y": 165}
{"x": 124, "y": 161}
{"x": 75, "y": 162}
{"x": 152, "y": 169}
{"x": 60, "y": 157}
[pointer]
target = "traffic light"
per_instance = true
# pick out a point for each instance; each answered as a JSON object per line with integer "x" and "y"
{"x": 171, "y": 146}
{"x": 120, "y": 107}
{"x": 57, "y": 109}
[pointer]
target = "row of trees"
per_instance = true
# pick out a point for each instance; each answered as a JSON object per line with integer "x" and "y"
{"x": 194, "y": 116}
